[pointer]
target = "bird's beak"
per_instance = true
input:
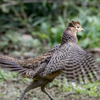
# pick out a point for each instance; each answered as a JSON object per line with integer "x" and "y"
{"x": 82, "y": 29}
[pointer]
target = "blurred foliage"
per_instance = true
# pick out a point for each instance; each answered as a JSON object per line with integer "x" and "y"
{"x": 45, "y": 23}
{"x": 25, "y": 27}
{"x": 7, "y": 75}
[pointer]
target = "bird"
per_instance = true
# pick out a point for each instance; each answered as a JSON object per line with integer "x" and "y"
{"x": 66, "y": 58}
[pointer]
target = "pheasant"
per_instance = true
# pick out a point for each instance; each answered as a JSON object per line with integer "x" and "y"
{"x": 66, "y": 58}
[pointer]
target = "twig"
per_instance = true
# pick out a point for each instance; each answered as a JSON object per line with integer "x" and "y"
{"x": 70, "y": 93}
{"x": 30, "y": 1}
{"x": 49, "y": 1}
{"x": 8, "y": 4}
{"x": 88, "y": 4}
{"x": 94, "y": 50}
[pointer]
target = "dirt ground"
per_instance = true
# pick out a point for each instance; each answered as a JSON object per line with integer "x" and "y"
{"x": 11, "y": 89}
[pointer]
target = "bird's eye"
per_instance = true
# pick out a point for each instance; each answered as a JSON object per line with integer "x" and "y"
{"x": 77, "y": 26}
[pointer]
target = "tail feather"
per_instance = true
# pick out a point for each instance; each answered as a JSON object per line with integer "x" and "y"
{"x": 14, "y": 65}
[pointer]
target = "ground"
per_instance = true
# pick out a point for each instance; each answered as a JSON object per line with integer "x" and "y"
{"x": 12, "y": 90}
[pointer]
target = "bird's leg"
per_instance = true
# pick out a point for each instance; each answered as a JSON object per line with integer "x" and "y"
{"x": 34, "y": 84}
{"x": 43, "y": 90}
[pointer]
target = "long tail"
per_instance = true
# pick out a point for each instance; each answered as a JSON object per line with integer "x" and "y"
{"x": 23, "y": 67}
{"x": 29, "y": 67}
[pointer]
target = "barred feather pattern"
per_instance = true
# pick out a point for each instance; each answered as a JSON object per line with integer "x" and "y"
{"x": 74, "y": 62}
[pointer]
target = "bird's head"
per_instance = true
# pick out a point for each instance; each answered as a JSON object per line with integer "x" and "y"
{"x": 75, "y": 26}
{"x": 69, "y": 35}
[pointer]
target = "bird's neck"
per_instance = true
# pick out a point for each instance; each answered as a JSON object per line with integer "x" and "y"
{"x": 69, "y": 35}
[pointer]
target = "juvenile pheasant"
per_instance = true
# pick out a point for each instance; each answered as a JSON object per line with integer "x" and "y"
{"x": 66, "y": 58}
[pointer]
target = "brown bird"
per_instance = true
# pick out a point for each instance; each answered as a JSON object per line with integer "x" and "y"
{"x": 66, "y": 58}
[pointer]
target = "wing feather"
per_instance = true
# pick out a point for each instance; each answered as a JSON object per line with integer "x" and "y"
{"x": 74, "y": 62}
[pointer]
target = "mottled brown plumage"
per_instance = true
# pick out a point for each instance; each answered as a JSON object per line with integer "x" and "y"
{"x": 66, "y": 58}
{"x": 26, "y": 68}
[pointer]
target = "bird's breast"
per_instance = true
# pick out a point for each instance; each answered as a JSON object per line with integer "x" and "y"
{"x": 53, "y": 74}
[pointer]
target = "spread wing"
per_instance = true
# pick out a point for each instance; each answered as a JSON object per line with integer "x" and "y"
{"x": 74, "y": 62}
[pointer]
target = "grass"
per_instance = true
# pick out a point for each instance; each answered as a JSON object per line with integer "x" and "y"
{"x": 89, "y": 89}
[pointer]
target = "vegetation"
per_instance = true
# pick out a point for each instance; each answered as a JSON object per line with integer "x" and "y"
{"x": 45, "y": 22}
{"x": 26, "y": 27}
